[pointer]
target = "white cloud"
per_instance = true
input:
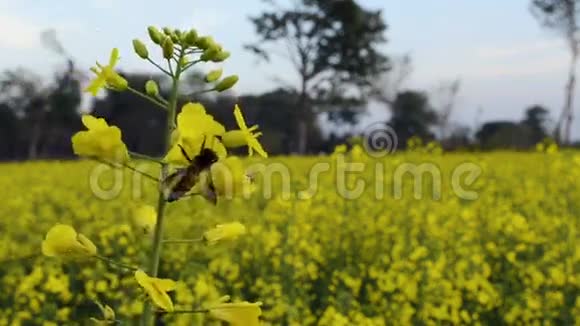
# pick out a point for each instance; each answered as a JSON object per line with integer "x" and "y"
{"x": 18, "y": 33}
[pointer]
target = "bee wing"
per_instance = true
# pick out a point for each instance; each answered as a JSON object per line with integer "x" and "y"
{"x": 171, "y": 181}
{"x": 208, "y": 192}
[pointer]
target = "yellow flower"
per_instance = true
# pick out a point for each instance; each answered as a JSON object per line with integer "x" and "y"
{"x": 157, "y": 289}
{"x": 195, "y": 128}
{"x": 107, "y": 76}
{"x": 108, "y": 315}
{"x": 237, "y": 313}
{"x": 100, "y": 141}
{"x": 63, "y": 241}
{"x": 145, "y": 218}
{"x": 228, "y": 177}
{"x": 244, "y": 136}
{"x": 228, "y": 231}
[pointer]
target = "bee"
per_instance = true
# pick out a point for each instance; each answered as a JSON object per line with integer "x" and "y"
{"x": 180, "y": 182}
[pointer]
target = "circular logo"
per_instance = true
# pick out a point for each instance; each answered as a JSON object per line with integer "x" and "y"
{"x": 379, "y": 139}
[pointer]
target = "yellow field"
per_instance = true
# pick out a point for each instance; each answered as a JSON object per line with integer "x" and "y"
{"x": 510, "y": 255}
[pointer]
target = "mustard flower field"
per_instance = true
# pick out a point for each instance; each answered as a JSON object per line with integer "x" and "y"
{"x": 508, "y": 254}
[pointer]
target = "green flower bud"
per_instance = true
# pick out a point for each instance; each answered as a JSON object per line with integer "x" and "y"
{"x": 221, "y": 56}
{"x": 213, "y": 75}
{"x": 205, "y": 42}
{"x": 167, "y": 31}
{"x": 167, "y": 48}
{"x": 174, "y": 38}
{"x": 183, "y": 61}
{"x": 155, "y": 35}
{"x": 151, "y": 88}
{"x": 140, "y": 49}
{"x": 226, "y": 83}
{"x": 209, "y": 54}
{"x": 117, "y": 82}
{"x": 191, "y": 37}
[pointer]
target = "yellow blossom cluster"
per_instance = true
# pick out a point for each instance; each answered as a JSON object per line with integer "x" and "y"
{"x": 511, "y": 256}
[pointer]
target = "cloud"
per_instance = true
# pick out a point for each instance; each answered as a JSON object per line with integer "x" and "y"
{"x": 18, "y": 33}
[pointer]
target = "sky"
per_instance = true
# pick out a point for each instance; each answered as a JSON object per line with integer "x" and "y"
{"x": 504, "y": 59}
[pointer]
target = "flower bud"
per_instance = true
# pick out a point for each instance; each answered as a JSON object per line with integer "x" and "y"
{"x": 183, "y": 61}
{"x": 226, "y": 83}
{"x": 167, "y": 31}
{"x": 213, "y": 75}
{"x": 167, "y": 48}
{"x": 140, "y": 49}
{"x": 209, "y": 54}
{"x": 151, "y": 88}
{"x": 174, "y": 37}
{"x": 205, "y": 42}
{"x": 117, "y": 82}
{"x": 221, "y": 56}
{"x": 191, "y": 37}
{"x": 155, "y": 35}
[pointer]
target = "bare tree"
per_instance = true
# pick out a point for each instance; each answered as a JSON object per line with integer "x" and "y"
{"x": 562, "y": 16}
{"x": 443, "y": 98}
{"x": 389, "y": 84}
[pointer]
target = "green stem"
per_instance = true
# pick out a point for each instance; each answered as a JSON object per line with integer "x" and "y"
{"x": 145, "y": 157}
{"x": 160, "y": 68}
{"x": 147, "y": 175}
{"x": 187, "y": 66}
{"x": 196, "y": 311}
{"x": 119, "y": 166}
{"x": 183, "y": 240}
{"x": 158, "y": 233}
{"x": 147, "y": 97}
{"x": 116, "y": 263}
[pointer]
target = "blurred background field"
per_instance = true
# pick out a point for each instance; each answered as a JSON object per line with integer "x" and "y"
{"x": 489, "y": 84}
{"x": 511, "y": 256}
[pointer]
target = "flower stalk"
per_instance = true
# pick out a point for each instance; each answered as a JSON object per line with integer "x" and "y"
{"x": 185, "y": 137}
{"x": 161, "y": 202}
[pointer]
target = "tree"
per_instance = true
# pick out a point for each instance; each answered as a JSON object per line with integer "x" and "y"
{"x": 562, "y": 15}
{"x": 445, "y": 97}
{"x": 535, "y": 119}
{"x": 388, "y": 85}
{"x": 504, "y": 135}
{"x": 412, "y": 116}
{"x": 332, "y": 46}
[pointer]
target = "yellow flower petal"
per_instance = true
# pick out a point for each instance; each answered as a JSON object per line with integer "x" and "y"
{"x": 156, "y": 289}
{"x": 100, "y": 141}
{"x": 145, "y": 218}
{"x": 228, "y": 231}
{"x": 63, "y": 241}
{"x": 237, "y": 313}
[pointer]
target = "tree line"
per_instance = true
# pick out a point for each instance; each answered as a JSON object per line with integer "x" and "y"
{"x": 334, "y": 48}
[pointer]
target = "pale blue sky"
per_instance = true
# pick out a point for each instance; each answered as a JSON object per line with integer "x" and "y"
{"x": 505, "y": 60}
